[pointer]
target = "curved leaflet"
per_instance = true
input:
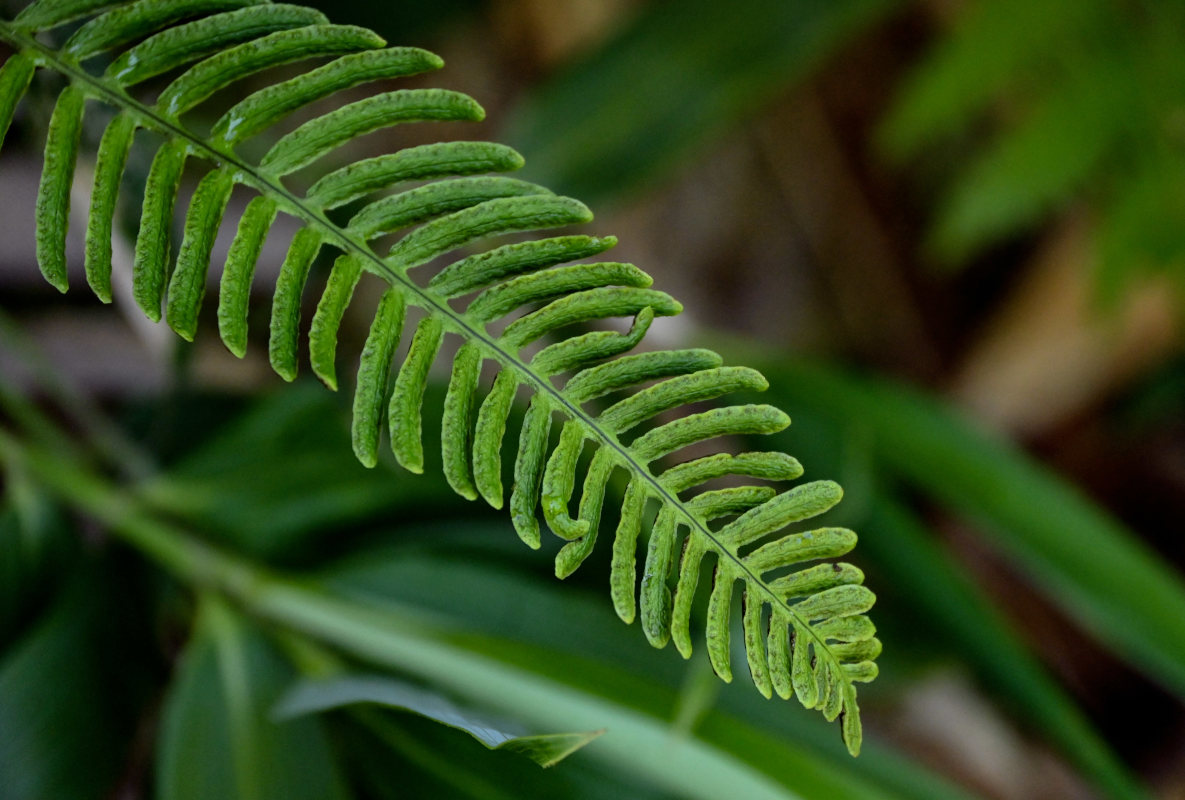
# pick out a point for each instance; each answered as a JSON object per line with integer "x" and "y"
{"x": 621, "y": 416}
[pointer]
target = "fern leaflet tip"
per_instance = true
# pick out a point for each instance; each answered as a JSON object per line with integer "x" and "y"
{"x": 620, "y": 413}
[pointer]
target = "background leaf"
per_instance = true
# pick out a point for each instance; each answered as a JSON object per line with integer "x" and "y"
{"x": 70, "y": 693}
{"x": 528, "y": 623}
{"x": 394, "y": 755}
{"x": 277, "y": 475}
{"x": 1086, "y": 560}
{"x": 989, "y": 49}
{"x": 35, "y": 553}
{"x": 311, "y": 697}
{"x": 217, "y": 737}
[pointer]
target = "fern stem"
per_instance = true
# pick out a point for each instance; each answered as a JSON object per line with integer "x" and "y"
{"x": 452, "y": 320}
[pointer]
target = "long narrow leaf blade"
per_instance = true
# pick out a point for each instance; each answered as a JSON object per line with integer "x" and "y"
{"x": 310, "y": 697}
{"x": 1088, "y": 562}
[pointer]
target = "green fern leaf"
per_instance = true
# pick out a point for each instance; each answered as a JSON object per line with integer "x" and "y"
{"x": 805, "y": 625}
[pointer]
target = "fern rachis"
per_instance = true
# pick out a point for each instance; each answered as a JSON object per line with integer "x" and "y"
{"x": 805, "y": 630}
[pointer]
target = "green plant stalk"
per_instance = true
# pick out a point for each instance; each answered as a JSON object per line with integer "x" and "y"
{"x": 199, "y": 565}
{"x": 398, "y": 639}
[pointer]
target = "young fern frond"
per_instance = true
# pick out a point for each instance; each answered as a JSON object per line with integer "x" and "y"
{"x": 804, "y": 624}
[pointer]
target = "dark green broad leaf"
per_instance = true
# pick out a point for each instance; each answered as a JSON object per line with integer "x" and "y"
{"x": 34, "y": 550}
{"x": 680, "y": 75}
{"x": 217, "y": 738}
{"x": 214, "y": 703}
{"x": 313, "y": 697}
{"x": 66, "y": 715}
{"x": 277, "y": 475}
{"x": 536, "y": 687}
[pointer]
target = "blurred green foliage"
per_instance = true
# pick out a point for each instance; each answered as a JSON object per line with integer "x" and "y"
{"x": 679, "y": 76}
{"x": 219, "y": 737}
{"x": 230, "y": 678}
{"x": 1029, "y": 108}
{"x": 116, "y": 679}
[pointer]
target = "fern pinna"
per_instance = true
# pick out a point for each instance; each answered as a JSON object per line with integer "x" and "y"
{"x": 804, "y": 627}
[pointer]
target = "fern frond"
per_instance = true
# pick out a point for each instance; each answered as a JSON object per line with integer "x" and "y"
{"x": 804, "y": 623}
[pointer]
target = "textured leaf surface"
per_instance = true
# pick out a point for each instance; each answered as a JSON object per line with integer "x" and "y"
{"x": 109, "y": 165}
{"x": 472, "y": 297}
{"x": 53, "y": 196}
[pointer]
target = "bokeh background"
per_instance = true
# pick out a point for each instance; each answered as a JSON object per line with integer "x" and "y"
{"x": 952, "y": 234}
